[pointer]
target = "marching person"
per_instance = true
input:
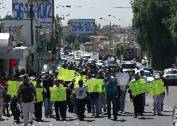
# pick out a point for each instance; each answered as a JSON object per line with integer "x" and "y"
{"x": 95, "y": 106}
{"x": 122, "y": 80}
{"x": 111, "y": 94}
{"x": 26, "y": 92}
{"x": 81, "y": 94}
{"x": 2, "y": 94}
{"x": 6, "y": 97}
{"x": 39, "y": 101}
{"x": 15, "y": 109}
{"x": 144, "y": 95}
{"x": 137, "y": 100}
{"x": 47, "y": 83}
{"x": 60, "y": 104}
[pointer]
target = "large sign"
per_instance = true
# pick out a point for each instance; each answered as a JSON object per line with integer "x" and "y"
{"x": 82, "y": 26}
{"x": 19, "y": 30}
{"x": 42, "y": 11}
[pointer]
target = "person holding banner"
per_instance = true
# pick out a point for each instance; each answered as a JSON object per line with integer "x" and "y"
{"x": 39, "y": 101}
{"x": 26, "y": 92}
{"x": 95, "y": 106}
{"x": 144, "y": 94}
{"x": 47, "y": 83}
{"x": 81, "y": 95}
{"x": 137, "y": 100}
{"x": 60, "y": 101}
{"x": 158, "y": 99}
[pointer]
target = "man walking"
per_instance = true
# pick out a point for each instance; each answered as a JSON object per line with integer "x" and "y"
{"x": 111, "y": 94}
{"x": 26, "y": 93}
{"x": 2, "y": 93}
{"x": 123, "y": 80}
{"x": 81, "y": 94}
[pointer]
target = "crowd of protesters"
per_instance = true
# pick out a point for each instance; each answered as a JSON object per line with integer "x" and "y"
{"x": 78, "y": 99}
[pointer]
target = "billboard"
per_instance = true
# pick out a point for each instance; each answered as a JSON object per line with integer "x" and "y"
{"x": 42, "y": 11}
{"x": 19, "y": 30}
{"x": 82, "y": 26}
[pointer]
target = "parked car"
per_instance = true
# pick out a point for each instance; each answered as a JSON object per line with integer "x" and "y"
{"x": 90, "y": 60}
{"x": 63, "y": 57}
{"x": 77, "y": 57}
{"x": 86, "y": 55}
{"x": 128, "y": 66}
{"x": 71, "y": 53}
{"x": 170, "y": 77}
{"x": 144, "y": 60}
{"x": 148, "y": 76}
{"x": 148, "y": 68}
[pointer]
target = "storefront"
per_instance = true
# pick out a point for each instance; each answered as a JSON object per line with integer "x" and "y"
{"x": 12, "y": 59}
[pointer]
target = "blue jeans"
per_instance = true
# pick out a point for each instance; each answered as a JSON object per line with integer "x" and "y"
{"x": 48, "y": 107}
{"x": 122, "y": 100}
{"x": 95, "y": 105}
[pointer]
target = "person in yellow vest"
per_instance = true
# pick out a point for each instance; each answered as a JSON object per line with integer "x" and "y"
{"x": 144, "y": 95}
{"x": 39, "y": 101}
{"x": 157, "y": 104}
{"x": 60, "y": 103}
{"x": 137, "y": 101}
{"x": 158, "y": 100}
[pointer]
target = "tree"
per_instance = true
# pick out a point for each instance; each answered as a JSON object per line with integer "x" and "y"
{"x": 151, "y": 22}
{"x": 119, "y": 49}
{"x": 70, "y": 39}
{"x": 8, "y": 17}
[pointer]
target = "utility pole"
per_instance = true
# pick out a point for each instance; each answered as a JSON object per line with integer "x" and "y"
{"x": 53, "y": 24}
{"x": 31, "y": 19}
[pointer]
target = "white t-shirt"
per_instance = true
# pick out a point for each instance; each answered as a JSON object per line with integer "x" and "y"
{"x": 123, "y": 80}
{"x": 81, "y": 92}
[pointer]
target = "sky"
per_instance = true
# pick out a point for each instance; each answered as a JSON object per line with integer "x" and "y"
{"x": 119, "y": 11}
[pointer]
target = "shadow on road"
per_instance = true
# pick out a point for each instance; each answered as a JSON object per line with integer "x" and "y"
{"x": 102, "y": 116}
{"x": 119, "y": 120}
{"x": 146, "y": 118}
{"x": 85, "y": 120}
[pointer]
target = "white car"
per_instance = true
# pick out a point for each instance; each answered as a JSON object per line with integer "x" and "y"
{"x": 63, "y": 57}
{"x": 90, "y": 60}
{"x": 77, "y": 57}
{"x": 86, "y": 55}
{"x": 148, "y": 76}
{"x": 170, "y": 77}
{"x": 128, "y": 66}
{"x": 71, "y": 53}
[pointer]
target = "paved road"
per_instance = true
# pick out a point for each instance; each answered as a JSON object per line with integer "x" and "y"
{"x": 70, "y": 58}
{"x": 125, "y": 120}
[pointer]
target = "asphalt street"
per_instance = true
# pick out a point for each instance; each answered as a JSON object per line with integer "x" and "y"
{"x": 126, "y": 119}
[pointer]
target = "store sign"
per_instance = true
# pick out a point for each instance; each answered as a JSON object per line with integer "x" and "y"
{"x": 82, "y": 26}
{"x": 42, "y": 11}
